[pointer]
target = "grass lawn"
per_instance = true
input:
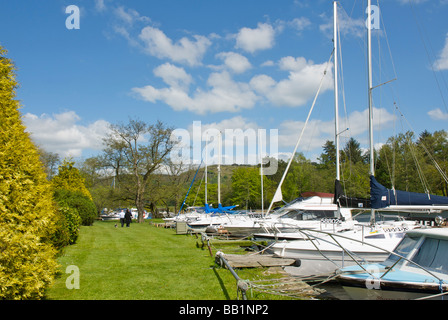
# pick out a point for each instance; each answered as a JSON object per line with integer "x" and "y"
{"x": 142, "y": 262}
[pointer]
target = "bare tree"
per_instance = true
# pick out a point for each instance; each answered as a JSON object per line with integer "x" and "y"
{"x": 178, "y": 175}
{"x": 138, "y": 150}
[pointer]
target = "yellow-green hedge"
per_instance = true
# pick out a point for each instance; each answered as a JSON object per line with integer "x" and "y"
{"x": 27, "y": 211}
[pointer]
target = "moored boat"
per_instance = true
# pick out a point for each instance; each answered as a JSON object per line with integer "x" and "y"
{"x": 417, "y": 268}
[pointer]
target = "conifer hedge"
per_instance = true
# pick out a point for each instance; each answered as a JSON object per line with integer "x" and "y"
{"x": 27, "y": 212}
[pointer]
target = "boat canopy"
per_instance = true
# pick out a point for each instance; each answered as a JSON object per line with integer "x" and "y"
{"x": 382, "y": 197}
{"x": 220, "y": 209}
{"x": 348, "y": 202}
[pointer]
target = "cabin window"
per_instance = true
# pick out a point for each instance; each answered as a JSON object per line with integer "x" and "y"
{"x": 376, "y": 236}
{"x": 432, "y": 255}
{"x": 309, "y": 214}
{"x": 403, "y": 249}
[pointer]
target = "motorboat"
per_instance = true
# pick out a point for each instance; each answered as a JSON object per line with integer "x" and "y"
{"x": 416, "y": 269}
{"x": 321, "y": 253}
{"x": 314, "y": 212}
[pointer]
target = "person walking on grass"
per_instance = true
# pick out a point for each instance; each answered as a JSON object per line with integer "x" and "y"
{"x": 121, "y": 215}
{"x": 128, "y": 217}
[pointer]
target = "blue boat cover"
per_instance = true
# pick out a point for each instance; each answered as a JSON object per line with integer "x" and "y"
{"x": 381, "y": 197}
{"x": 220, "y": 208}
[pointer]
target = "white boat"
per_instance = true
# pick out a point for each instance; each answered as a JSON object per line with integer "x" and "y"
{"x": 310, "y": 213}
{"x": 213, "y": 223}
{"x": 110, "y": 216}
{"x": 322, "y": 253}
{"x": 417, "y": 269}
{"x": 325, "y": 254}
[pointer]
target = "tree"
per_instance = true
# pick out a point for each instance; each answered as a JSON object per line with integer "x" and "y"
{"x": 178, "y": 175}
{"x": 352, "y": 151}
{"x": 70, "y": 178}
{"x": 50, "y": 161}
{"x": 246, "y": 187}
{"x": 328, "y": 157}
{"x": 138, "y": 150}
{"x": 27, "y": 213}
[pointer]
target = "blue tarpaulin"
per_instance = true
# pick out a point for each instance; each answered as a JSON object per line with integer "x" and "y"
{"x": 381, "y": 197}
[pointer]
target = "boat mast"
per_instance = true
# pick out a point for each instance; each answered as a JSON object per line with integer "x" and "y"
{"x": 369, "y": 77}
{"x": 336, "y": 93}
{"x": 369, "y": 67}
{"x": 219, "y": 168}
{"x": 205, "y": 177}
{"x": 261, "y": 171}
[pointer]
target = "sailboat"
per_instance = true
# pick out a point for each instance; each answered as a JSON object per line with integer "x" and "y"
{"x": 324, "y": 254}
{"x": 321, "y": 213}
{"x": 213, "y": 217}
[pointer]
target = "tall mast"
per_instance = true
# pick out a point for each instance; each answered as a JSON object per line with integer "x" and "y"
{"x": 336, "y": 93}
{"x": 206, "y": 160}
{"x": 219, "y": 168}
{"x": 369, "y": 75}
{"x": 261, "y": 170}
{"x": 369, "y": 67}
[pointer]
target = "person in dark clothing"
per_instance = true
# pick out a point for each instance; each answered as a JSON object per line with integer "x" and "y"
{"x": 127, "y": 217}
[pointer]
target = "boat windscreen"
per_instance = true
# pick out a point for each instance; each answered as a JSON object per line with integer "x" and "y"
{"x": 432, "y": 255}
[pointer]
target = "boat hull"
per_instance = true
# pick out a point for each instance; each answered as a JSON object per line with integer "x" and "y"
{"x": 323, "y": 263}
{"x": 371, "y": 289}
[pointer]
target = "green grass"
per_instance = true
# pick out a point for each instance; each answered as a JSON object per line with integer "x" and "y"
{"x": 143, "y": 262}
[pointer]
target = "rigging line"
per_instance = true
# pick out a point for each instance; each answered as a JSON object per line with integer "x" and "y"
{"x": 341, "y": 74}
{"x": 428, "y": 55}
{"x": 188, "y": 192}
{"x": 387, "y": 40}
{"x": 199, "y": 188}
{"x": 442, "y": 173}
{"x": 347, "y": 122}
{"x": 301, "y": 133}
{"x": 423, "y": 180}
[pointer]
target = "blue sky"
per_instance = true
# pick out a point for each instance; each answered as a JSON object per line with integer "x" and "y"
{"x": 251, "y": 64}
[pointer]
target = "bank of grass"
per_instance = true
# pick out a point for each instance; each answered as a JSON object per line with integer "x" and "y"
{"x": 144, "y": 262}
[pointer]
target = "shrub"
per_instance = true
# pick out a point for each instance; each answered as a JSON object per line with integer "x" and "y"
{"x": 27, "y": 212}
{"x": 76, "y": 200}
{"x": 68, "y": 222}
{"x": 69, "y": 178}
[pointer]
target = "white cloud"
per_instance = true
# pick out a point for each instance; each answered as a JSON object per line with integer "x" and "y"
{"x": 300, "y": 86}
{"x": 442, "y": 62}
{"x": 438, "y": 114}
{"x": 130, "y": 16}
{"x": 300, "y": 24}
{"x": 240, "y": 141}
{"x": 318, "y": 131}
{"x": 347, "y": 25}
{"x": 237, "y": 122}
{"x": 173, "y": 76}
{"x": 61, "y": 134}
{"x": 235, "y": 61}
{"x": 223, "y": 95}
{"x": 100, "y": 5}
{"x": 185, "y": 50}
{"x": 260, "y": 38}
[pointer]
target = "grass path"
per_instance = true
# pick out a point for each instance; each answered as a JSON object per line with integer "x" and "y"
{"x": 140, "y": 262}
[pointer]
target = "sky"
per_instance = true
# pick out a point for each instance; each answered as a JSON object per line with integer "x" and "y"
{"x": 245, "y": 66}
